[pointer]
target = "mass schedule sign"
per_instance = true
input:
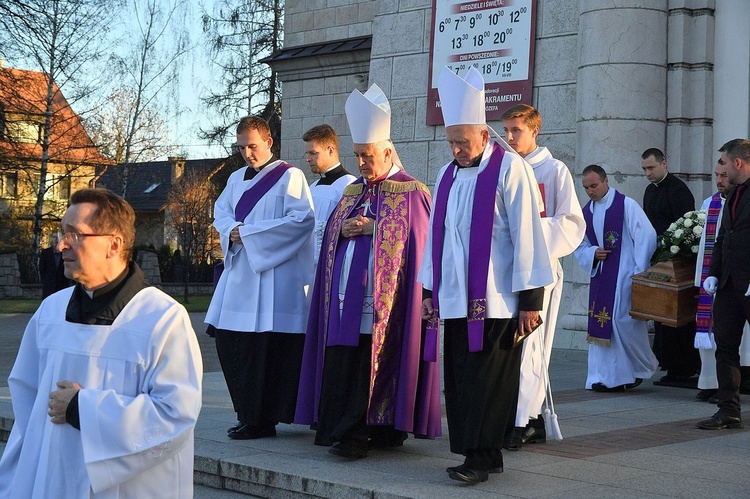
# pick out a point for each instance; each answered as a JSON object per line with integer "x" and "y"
{"x": 494, "y": 36}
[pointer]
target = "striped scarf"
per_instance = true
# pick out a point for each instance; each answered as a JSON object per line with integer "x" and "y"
{"x": 704, "y": 322}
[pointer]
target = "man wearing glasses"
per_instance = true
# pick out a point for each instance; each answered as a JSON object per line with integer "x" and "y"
{"x": 106, "y": 388}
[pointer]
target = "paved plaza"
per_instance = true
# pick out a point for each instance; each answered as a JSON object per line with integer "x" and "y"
{"x": 617, "y": 445}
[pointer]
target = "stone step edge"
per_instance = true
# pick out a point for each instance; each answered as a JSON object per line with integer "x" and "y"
{"x": 260, "y": 482}
{"x": 256, "y": 481}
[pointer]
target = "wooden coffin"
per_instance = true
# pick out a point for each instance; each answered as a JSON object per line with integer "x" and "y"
{"x": 666, "y": 293}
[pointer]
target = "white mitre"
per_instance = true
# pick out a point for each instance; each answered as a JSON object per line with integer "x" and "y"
{"x": 369, "y": 116}
{"x": 462, "y": 99}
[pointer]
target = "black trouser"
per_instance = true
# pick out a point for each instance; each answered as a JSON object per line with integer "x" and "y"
{"x": 262, "y": 374}
{"x": 481, "y": 390}
{"x": 731, "y": 310}
{"x": 674, "y": 348}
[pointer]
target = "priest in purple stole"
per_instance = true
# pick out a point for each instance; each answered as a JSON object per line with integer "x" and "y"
{"x": 485, "y": 268}
{"x": 364, "y": 381}
{"x": 618, "y": 244}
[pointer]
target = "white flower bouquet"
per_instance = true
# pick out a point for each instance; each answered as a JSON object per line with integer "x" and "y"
{"x": 682, "y": 238}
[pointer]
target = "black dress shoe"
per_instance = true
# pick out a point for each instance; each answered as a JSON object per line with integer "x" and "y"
{"x": 634, "y": 384}
{"x": 602, "y": 388}
{"x": 248, "y": 432}
{"x": 468, "y": 475}
{"x": 705, "y": 395}
{"x": 235, "y": 427}
{"x": 720, "y": 421}
{"x": 452, "y": 469}
{"x": 348, "y": 450}
{"x": 714, "y": 400}
{"x": 514, "y": 439}
{"x": 388, "y": 440}
{"x": 678, "y": 381}
{"x": 534, "y": 436}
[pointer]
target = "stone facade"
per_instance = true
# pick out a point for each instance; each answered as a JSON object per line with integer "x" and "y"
{"x": 611, "y": 79}
{"x": 10, "y": 276}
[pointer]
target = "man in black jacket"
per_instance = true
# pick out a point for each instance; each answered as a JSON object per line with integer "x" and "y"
{"x": 665, "y": 200}
{"x": 729, "y": 279}
{"x": 51, "y": 269}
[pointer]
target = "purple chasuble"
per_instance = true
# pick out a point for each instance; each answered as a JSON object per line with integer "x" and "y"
{"x": 703, "y": 318}
{"x": 480, "y": 243}
{"x": 249, "y": 199}
{"x": 604, "y": 284}
{"x": 404, "y": 390}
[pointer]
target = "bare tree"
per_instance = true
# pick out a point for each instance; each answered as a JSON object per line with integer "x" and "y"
{"x": 150, "y": 69}
{"x": 240, "y": 33}
{"x": 110, "y": 127}
{"x": 190, "y": 214}
{"x": 65, "y": 41}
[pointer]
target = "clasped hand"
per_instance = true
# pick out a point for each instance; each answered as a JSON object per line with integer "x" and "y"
{"x": 357, "y": 226}
{"x": 60, "y": 399}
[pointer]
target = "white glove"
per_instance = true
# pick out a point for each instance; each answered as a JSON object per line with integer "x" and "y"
{"x": 747, "y": 293}
{"x": 710, "y": 285}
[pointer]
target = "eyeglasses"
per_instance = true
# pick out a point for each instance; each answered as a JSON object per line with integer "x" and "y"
{"x": 76, "y": 237}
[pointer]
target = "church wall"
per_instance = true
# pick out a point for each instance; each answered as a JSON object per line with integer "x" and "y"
{"x": 610, "y": 80}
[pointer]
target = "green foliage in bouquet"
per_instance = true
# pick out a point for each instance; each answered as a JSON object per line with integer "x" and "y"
{"x": 682, "y": 238}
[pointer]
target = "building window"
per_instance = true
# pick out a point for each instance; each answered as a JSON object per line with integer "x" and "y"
{"x": 23, "y": 132}
{"x": 9, "y": 185}
{"x": 58, "y": 187}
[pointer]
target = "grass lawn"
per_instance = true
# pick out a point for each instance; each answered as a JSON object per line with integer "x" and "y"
{"x": 197, "y": 303}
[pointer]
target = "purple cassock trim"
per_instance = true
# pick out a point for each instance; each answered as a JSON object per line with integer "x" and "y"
{"x": 480, "y": 243}
{"x": 604, "y": 284}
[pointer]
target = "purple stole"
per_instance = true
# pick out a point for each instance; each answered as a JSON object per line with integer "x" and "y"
{"x": 703, "y": 319}
{"x": 604, "y": 284}
{"x": 249, "y": 199}
{"x": 344, "y": 325}
{"x": 480, "y": 242}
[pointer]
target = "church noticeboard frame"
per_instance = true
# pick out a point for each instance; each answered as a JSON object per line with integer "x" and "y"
{"x": 494, "y": 36}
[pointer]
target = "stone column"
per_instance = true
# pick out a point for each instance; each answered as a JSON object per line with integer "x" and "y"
{"x": 621, "y": 110}
{"x": 732, "y": 70}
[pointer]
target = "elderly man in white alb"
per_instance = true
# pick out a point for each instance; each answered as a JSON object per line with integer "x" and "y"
{"x": 485, "y": 267}
{"x": 106, "y": 388}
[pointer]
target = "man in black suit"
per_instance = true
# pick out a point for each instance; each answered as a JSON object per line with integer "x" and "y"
{"x": 51, "y": 269}
{"x": 729, "y": 279}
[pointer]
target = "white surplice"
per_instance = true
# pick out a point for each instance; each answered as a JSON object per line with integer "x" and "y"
{"x": 325, "y": 198}
{"x": 707, "y": 379}
{"x": 519, "y": 259}
{"x": 564, "y": 228}
{"x": 141, "y": 396}
{"x": 266, "y": 280}
{"x": 629, "y": 356}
